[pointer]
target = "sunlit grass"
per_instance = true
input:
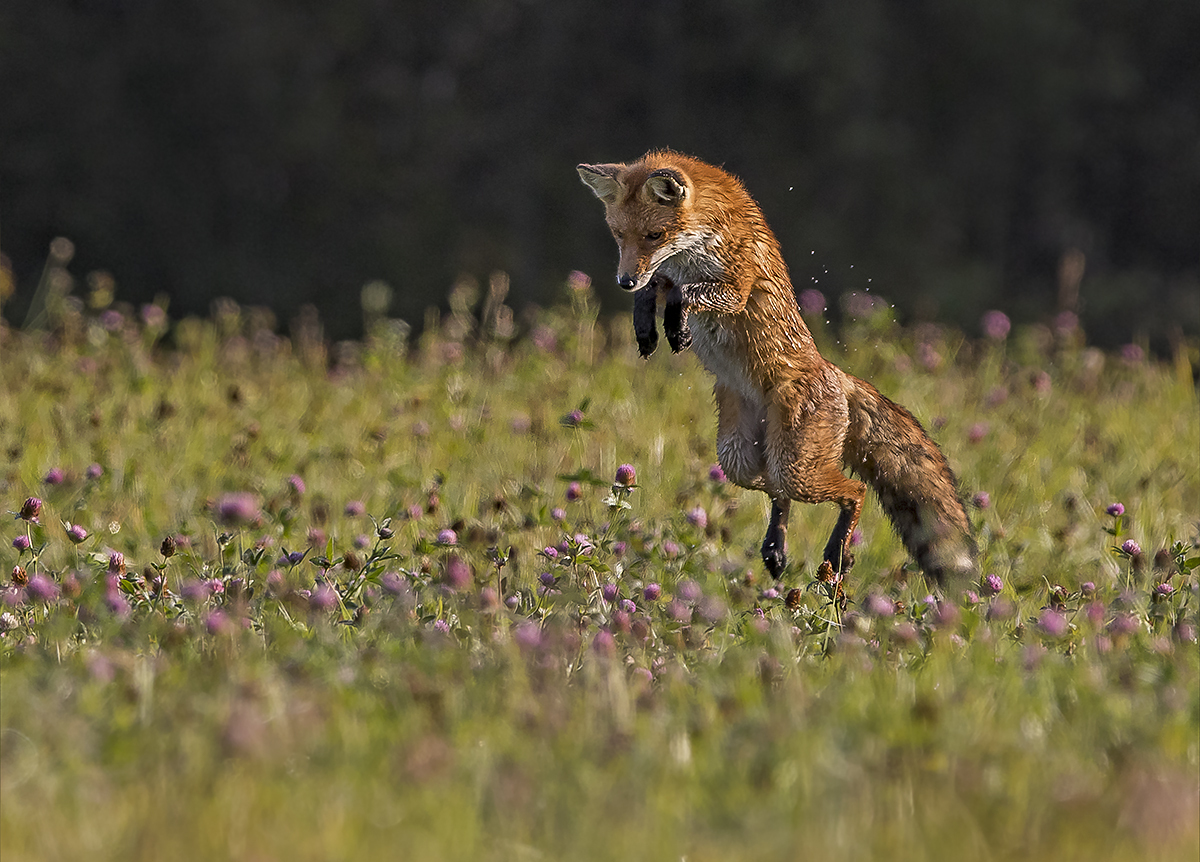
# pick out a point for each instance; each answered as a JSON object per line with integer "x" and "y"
{"x": 485, "y": 646}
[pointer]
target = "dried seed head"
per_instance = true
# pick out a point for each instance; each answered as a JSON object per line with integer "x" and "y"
{"x": 168, "y": 546}
{"x": 31, "y": 510}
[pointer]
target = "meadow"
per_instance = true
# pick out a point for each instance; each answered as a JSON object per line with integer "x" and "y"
{"x": 484, "y": 595}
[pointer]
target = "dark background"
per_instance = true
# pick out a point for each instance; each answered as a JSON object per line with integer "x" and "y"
{"x": 283, "y": 152}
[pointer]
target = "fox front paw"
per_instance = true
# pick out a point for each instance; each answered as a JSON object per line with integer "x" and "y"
{"x": 645, "y": 328}
{"x": 675, "y": 326}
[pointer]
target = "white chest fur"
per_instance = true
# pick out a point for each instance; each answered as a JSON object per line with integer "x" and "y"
{"x": 722, "y": 356}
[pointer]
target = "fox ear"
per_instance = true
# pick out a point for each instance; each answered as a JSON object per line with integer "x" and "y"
{"x": 602, "y": 180}
{"x": 665, "y": 187}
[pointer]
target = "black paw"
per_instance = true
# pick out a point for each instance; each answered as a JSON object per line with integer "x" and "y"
{"x": 841, "y": 566}
{"x": 774, "y": 557}
{"x": 645, "y": 328}
{"x": 675, "y": 326}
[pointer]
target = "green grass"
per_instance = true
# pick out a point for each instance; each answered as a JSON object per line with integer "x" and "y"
{"x": 431, "y": 701}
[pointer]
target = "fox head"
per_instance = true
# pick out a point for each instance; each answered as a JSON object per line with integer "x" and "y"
{"x": 646, "y": 209}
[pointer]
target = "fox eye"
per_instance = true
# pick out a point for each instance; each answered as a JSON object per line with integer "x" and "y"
{"x": 654, "y": 235}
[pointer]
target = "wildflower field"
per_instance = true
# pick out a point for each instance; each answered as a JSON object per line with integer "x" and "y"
{"x": 486, "y": 596}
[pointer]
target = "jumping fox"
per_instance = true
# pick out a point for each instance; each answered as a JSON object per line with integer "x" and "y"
{"x": 789, "y": 421}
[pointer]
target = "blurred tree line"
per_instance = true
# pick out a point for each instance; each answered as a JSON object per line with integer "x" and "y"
{"x": 947, "y": 156}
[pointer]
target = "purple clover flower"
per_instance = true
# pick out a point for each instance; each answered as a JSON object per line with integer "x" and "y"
{"x": 458, "y": 573}
{"x": 1133, "y": 354}
{"x": 195, "y": 591}
{"x": 42, "y": 589}
{"x": 574, "y": 492}
{"x": 558, "y": 514}
{"x": 627, "y": 606}
{"x": 578, "y": 281}
{"x": 812, "y": 301}
{"x": 609, "y": 592}
{"x": 22, "y": 543}
{"x": 991, "y": 585}
{"x": 94, "y": 471}
{"x": 1066, "y": 322}
{"x": 54, "y": 476}
{"x": 996, "y": 325}
{"x": 76, "y": 534}
{"x": 447, "y": 537}
{"x": 217, "y": 622}
{"x": 1132, "y": 548}
{"x": 1115, "y": 509}
{"x": 355, "y": 509}
{"x": 626, "y": 475}
{"x": 1124, "y": 624}
{"x": 716, "y": 474}
{"x": 689, "y": 591}
{"x": 697, "y": 517}
{"x": 1052, "y": 623}
{"x": 603, "y": 643}
{"x": 880, "y": 606}
{"x": 153, "y": 316}
{"x": 393, "y": 583}
{"x": 527, "y": 635}
{"x": 322, "y": 598}
{"x": 1000, "y": 609}
{"x": 237, "y": 509}
{"x": 441, "y": 626}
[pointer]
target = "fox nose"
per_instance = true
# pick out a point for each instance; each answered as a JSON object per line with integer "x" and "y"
{"x": 626, "y": 282}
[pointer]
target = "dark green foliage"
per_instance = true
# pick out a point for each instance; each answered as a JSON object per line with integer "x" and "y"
{"x": 283, "y": 153}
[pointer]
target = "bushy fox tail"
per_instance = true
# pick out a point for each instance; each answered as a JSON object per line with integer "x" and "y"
{"x": 889, "y": 449}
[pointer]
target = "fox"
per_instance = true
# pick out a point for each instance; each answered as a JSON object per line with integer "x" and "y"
{"x": 789, "y": 422}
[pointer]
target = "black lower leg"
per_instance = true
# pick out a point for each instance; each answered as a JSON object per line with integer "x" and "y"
{"x": 675, "y": 322}
{"x": 836, "y": 550}
{"x": 645, "y": 327}
{"x": 774, "y": 546}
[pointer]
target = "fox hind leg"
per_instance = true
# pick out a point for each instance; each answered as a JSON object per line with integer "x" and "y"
{"x": 804, "y": 449}
{"x": 774, "y": 546}
{"x": 837, "y": 550}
